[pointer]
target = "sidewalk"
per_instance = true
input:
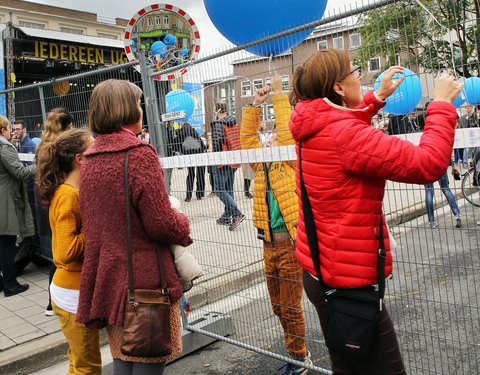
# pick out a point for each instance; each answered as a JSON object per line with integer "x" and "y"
{"x": 232, "y": 261}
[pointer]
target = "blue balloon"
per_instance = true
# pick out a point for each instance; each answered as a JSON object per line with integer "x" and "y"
{"x": 159, "y": 48}
{"x": 185, "y": 52}
{"x": 265, "y": 17}
{"x": 472, "y": 90}
{"x": 36, "y": 140}
{"x": 180, "y": 100}
{"x": 169, "y": 40}
{"x": 461, "y": 98}
{"x": 406, "y": 97}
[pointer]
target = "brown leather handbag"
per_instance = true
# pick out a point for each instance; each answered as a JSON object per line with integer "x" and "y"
{"x": 146, "y": 328}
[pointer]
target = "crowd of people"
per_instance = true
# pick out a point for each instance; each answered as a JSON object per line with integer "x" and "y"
{"x": 343, "y": 163}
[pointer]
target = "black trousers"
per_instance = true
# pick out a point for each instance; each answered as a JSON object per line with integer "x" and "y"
{"x": 385, "y": 358}
{"x": 200, "y": 181}
{"x": 7, "y": 261}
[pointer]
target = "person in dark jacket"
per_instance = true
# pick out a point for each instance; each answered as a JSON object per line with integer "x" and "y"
{"x": 15, "y": 216}
{"x": 226, "y": 137}
{"x": 190, "y": 143}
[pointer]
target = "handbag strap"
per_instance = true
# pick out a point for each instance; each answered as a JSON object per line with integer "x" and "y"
{"x": 311, "y": 232}
{"x": 163, "y": 279}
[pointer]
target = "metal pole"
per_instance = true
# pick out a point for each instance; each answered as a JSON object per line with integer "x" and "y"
{"x": 42, "y": 104}
{"x": 151, "y": 108}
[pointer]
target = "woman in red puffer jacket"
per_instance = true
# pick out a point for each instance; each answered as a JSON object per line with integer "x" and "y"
{"x": 345, "y": 165}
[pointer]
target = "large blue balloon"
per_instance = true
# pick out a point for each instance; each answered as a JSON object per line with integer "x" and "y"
{"x": 248, "y": 20}
{"x": 461, "y": 98}
{"x": 472, "y": 90}
{"x": 406, "y": 97}
{"x": 169, "y": 40}
{"x": 159, "y": 48}
{"x": 180, "y": 100}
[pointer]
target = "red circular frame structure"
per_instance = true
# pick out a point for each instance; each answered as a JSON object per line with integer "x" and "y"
{"x": 170, "y": 8}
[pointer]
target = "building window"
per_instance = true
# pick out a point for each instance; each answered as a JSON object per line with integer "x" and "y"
{"x": 245, "y": 88}
{"x": 149, "y": 21}
{"x": 374, "y": 64}
{"x": 257, "y": 84}
{"x": 261, "y": 113}
{"x": 166, "y": 21}
{"x": 270, "y": 112}
{"x": 108, "y": 36}
{"x": 69, "y": 30}
{"x": 355, "y": 41}
{"x": 285, "y": 83}
{"x": 338, "y": 43}
{"x": 223, "y": 93}
{"x": 31, "y": 25}
{"x": 323, "y": 44}
{"x": 158, "y": 21}
{"x": 268, "y": 82}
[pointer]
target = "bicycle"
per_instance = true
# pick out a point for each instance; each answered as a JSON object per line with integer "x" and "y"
{"x": 470, "y": 187}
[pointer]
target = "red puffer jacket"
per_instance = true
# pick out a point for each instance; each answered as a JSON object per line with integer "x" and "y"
{"x": 345, "y": 164}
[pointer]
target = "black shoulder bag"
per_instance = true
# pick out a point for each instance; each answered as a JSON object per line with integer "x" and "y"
{"x": 352, "y": 313}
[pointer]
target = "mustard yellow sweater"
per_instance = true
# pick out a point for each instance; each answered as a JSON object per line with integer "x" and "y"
{"x": 67, "y": 237}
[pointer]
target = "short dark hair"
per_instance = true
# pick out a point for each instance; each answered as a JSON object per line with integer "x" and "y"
{"x": 20, "y": 122}
{"x": 113, "y": 106}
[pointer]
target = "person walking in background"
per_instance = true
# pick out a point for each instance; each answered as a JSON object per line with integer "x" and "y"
{"x": 145, "y": 135}
{"x": 345, "y": 164}
{"x": 16, "y": 215}
{"x": 275, "y": 215}
{"x": 469, "y": 120}
{"x": 190, "y": 144}
{"x": 58, "y": 184}
{"x": 226, "y": 137}
{"x": 248, "y": 177}
{"x": 444, "y": 185}
{"x": 58, "y": 121}
{"x": 115, "y": 115}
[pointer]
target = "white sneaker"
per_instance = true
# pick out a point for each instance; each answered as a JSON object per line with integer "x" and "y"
{"x": 433, "y": 224}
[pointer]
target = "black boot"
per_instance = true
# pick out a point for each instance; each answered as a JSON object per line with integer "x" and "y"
{"x": 246, "y": 187}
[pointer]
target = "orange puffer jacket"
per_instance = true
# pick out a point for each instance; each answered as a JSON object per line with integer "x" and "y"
{"x": 281, "y": 174}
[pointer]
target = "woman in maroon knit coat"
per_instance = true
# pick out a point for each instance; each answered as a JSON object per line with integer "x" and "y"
{"x": 116, "y": 116}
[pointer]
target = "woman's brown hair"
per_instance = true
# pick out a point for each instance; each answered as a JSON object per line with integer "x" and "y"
{"x": 113, "y": 105}
{"x": 317, "y": 77}
{"x": 58, "y": 120}
{"x": 55, "y": 161}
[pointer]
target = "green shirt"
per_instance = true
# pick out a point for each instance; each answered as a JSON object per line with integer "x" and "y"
{"x": 277, "y": 223}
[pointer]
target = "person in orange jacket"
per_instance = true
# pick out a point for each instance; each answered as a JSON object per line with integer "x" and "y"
{"x": 275, "y": 215}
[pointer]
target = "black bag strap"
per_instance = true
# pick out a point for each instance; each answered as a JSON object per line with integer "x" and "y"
{"x": 163, "y": 279}
{"x": 311, "y": 232}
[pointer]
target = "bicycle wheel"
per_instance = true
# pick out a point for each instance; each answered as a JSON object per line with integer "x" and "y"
{"x": 470, "y": 188}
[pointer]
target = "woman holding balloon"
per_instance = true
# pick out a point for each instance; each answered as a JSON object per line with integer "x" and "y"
{"x": 345, "y": 163}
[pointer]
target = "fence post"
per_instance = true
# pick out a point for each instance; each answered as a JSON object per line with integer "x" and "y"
{"x": 151, "y": 108}
{"x": 42, "y": 104}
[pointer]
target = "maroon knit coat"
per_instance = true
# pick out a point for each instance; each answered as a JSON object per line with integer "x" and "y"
{"x": 104, "y": 283}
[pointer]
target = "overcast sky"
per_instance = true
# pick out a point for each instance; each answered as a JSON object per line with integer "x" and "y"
{"x": 210, "y": 37}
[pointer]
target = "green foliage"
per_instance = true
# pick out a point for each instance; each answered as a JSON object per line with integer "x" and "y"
{"x": 406, "y": 30}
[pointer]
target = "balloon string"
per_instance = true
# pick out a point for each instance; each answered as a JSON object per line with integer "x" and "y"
{"x": 270, "y": 65}
{"x": 443, "y": 27}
